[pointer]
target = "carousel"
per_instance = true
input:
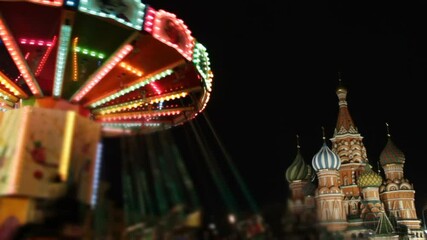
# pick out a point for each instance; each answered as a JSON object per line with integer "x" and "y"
{"x": 75, "y": 72}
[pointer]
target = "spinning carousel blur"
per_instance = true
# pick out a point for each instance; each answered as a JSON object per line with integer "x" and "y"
{"x": 75, "y": 72}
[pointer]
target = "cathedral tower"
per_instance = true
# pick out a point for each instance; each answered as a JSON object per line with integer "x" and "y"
{"x": 299, "y": 176}
{"x": 397, "y": 192}
{"x": 301, "y": 201}
{"x": 347, "y": 143}
{"x": 371, "y": 205}
{"x": 329, "y": 196}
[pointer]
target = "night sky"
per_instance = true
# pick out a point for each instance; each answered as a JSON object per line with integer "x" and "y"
{"x": 276, "y": 65}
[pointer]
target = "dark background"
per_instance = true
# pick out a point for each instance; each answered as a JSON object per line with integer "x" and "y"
{"x": 275, "y": 66}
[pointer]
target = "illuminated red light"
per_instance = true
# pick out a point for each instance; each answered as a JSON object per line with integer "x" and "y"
{"x": 35, "y": 42}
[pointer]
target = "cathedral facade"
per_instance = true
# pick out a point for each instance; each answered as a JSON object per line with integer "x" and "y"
{"x": 339, "y": 195}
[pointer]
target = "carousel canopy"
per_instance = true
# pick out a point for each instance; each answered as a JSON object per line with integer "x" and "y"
{"x": 124, "y": 64}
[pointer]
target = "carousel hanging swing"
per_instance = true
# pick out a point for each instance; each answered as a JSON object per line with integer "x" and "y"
{"x": 249, "y": 224}
{"x": 159, "y": 197}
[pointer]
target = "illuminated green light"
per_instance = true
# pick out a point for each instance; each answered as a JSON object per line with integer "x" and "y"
{"x": 89, "y": 52}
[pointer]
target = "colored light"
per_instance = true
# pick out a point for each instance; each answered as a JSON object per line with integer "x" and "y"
{"x": 88, "y": 52}
{"x": 135, "y": 14}
{"x": 45, "y": 57}
{"x": 66, "y": 145}
{"x": 131, "y": 69}
{"x": 56, "y": 3}
{"x": 142, "y": 82}
{"x": 61, "y": 59}
{"x": 75, "y": 66}
{"x": 17, "y": 57}
{"x": 35, "y": 42}
{"x": 102, "y": 72}
{"x": 186, "y": 47}
{"x": 97, "y": 171}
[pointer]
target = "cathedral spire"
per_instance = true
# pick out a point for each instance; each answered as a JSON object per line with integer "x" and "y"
{"x": 391, "y": 154}
{"x": 323, "y": 135}
{"x": 340, "y": 80}
{"x": 388, "y": 130}
{"x": 345, "y": 123}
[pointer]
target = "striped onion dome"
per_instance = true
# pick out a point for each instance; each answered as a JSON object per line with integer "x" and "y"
{"x": 326, "y": 159}
{"x": 391, "y": 154}
{"x": 299, "y": 170}
{"x": 369, "y": 178}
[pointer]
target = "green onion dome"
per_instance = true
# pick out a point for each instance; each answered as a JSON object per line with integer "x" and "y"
{"x": 369, "y": 178}
{"x": 299, "y": 170}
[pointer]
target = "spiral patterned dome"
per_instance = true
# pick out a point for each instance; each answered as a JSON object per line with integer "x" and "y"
{"x": 369, "y": 178}
{"x": 391, "y": 154}
{"x": 299, "y": 170}
{"x": 326, "y": 159}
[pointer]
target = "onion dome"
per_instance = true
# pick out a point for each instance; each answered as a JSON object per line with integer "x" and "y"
{"x": 369, "y": 178}
{"x": 391, "y": 154}
{"x": 299, "y": 170}
{"x": 325, "y": 158}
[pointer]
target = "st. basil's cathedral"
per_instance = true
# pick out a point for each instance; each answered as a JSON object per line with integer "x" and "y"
{"x": 340, "y": 196}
